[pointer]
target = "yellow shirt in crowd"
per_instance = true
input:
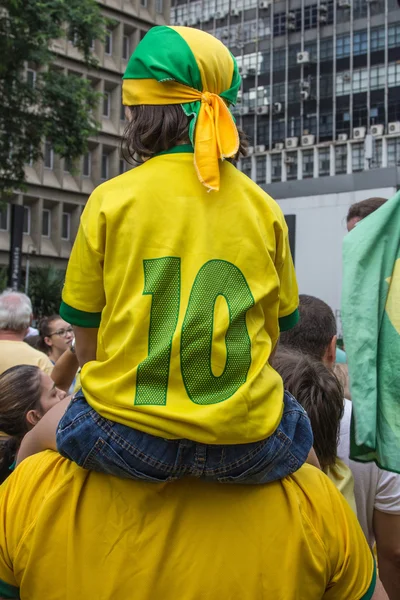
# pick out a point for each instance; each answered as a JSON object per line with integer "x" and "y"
{"x": 71, "y": 533}
{"x": 189, "y": 290}
{"x": 19, "y": 353}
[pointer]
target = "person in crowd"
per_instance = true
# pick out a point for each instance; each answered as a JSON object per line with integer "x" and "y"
{"x": 56, "y": 336}
{"x": 15, "y": 319}
{"x": 320, "y": 393}
{"x": 69, "y": 531}
{"x": 377, "y": 492}
{"x": 26, "y": 394}
{"x": 144, "y": 282}
{"x": 360, "y": 210}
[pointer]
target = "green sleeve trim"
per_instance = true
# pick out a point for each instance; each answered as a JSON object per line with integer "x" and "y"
{"x": 8, "y": 591}
{"x": 370, "y": 591}
{"x": 290, "y": 321}
{"x": 79, "y": 317}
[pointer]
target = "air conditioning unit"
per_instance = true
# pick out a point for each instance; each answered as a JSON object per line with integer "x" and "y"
{"x": 291, "y": 26}
{"x": 289, "y": 160}
{"x": 323, "y": 19}
{"x": 264, "y": 4}
{"x": 250, "y": 150}
{"x": 277, "y": 106}
{"x": 394, "y": 127}
{"x": 262, "y": 110}
{"x": 244, "y": 110}
{"x": 304, "y": 94}
{"x": 346, "y": 77}
{"x": 307, "y": 140}
{"x": 192, "y": 21}
{"x": 225, "y": 34}
{"x": 235, "y": 12}
{"x": 259, "y": 149}
{"x": 342, "y": 137}
{"x": 323, "y": 8}
{"x": 220, "y": 14}
{"x": 376, "y": 130}
{"x": 292, "y": 142}
{"x": 359, "y": 133}
{"x": 303, "y": 58}
{"x": 279, "y": 146}
{"x": 251, "y": 71}
{"x": 291, "y": 21}
{"x": 243, "y": 72}
{"x": 344, "y": 3}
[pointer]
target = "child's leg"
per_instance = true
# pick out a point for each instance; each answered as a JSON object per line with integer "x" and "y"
{"x": 43, "y": 435}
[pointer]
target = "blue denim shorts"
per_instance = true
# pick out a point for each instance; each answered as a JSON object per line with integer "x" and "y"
{"x": 97, "y": 444}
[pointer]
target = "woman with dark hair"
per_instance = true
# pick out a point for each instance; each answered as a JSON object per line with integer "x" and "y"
{"x": 55, "y": 337}
{"x": 26, "y": 394}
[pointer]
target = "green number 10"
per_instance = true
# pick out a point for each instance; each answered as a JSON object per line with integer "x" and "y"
{"x": 215, "y": 278}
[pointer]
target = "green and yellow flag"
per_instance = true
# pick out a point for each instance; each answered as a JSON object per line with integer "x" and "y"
{"x": 371, "y": 325}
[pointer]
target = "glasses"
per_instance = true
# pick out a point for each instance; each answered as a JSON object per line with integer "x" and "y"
{"x": 62, "y": 332}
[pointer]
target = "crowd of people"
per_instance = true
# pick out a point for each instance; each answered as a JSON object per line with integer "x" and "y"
{"x": 180, "y": 429}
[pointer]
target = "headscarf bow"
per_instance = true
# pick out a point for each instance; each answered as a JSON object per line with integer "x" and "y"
{"x": 180, "y": 65}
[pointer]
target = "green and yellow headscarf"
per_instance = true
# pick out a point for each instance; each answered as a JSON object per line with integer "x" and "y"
{"x": 180, "y": 65}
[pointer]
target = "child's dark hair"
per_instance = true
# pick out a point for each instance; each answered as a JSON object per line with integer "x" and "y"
{"x": 320, "y": 393}
{"x": 153, "y": 129}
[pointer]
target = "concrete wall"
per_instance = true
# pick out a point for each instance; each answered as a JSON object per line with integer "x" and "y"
{"x": 320, "y": 228}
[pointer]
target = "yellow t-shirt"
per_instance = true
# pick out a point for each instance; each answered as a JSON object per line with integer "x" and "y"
{"x": 189, "y": 290}
{"x": 19, "y": 353}
{"x": 342, "y": 478}
{"x": 67, "y": 532}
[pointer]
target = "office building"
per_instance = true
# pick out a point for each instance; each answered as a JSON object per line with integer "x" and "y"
{"x": 320, "y": 103}
{"x": 56, "y": 193}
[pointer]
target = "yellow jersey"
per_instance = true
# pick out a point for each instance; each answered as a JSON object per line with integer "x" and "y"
{"x": 70, "y": 533}
{"x": 189, "y": 290}
{"x": 19, "y": 353}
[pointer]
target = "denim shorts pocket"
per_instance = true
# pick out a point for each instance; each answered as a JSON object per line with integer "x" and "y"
{"x": 263, "y": 469}
{"x": 103, "y": 458}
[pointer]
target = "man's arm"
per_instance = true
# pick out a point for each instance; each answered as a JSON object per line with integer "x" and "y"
{"x": 387, "y": 534}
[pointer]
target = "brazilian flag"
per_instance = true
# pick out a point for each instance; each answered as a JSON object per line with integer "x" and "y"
{"x": 371, "y": 325}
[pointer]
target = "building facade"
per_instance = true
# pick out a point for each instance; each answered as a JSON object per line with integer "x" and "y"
{"x": 56, "y": 193}
{"x": 320, "y": 103}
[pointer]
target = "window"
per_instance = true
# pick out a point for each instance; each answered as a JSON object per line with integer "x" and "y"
{"x": 108, "y": 42}
{"x": 48, "y": 155}
{"x": 143, "y": 3}
{"x": 378, "y": 38}
{"x": 46, "y": 223}
{"x": 106, "y": 104}
{"x": 360, "y": 42}
{"x": 291, "y": 165}
{"x": 326, "y": 49}
{"x": 393, "y": 36}
{"x": 66, "y": 226}
{"x": 261, "y": 169}
{"x": 27, "y": 220}
{"x": 376, "y": 161}
{"x": 4, "y": 217}
{"x": 122, "y": 114}
{"x": 125, "y": 47}
{"x": 31, "y": 77}
{"x": 393, "y": 150}
{"x": 122, "y": 166}
{"x": 159, "y": 6}
{"x": 246, "y": 166}
{"x": 341, "y": 159}
{"x": 142, "y": 34}
{"x": 104, "y": 166}
{"x": 308, "y": 164}
{"x": 323, "y": 161}
{"x": 357, "y": 157}
{"x": 68, "y": 165}
{"x": 276, "y": 167}
{"x": 87, "y": 165}
{"x": 342, "y": 46}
